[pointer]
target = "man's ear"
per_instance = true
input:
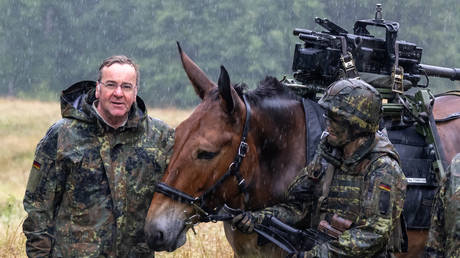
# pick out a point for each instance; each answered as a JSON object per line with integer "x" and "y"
{"x": 98, "y": 88}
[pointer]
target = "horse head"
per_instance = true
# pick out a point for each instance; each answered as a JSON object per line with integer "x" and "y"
{"x": 205, "y": 146}
{"x": 219, "y": 158}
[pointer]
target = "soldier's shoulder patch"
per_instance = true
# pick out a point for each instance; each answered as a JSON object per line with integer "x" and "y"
{"x": 37, "y": 165}
{"x": 384, "y": 187}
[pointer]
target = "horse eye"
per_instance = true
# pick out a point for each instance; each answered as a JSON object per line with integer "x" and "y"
{"x": 206, "y": 155}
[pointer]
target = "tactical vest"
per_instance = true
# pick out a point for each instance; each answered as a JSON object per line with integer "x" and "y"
{"x": 344, "y": 197}
{"x": 342, "y": 191}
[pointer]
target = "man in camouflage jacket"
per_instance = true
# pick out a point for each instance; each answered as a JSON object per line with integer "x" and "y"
{"x": 354, "y": 175}
{"x": 94, "y": 172}
{"x": 444, "y": 235}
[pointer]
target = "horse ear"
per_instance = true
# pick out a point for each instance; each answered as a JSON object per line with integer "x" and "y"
{"x": 225, "y": 89}
{"x": 201, "y": 83}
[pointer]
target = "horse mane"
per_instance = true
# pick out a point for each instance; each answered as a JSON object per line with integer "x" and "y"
{"x": 269, "y": 87}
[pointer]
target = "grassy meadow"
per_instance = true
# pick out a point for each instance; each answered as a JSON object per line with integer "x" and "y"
{"x": 22, "y": 124}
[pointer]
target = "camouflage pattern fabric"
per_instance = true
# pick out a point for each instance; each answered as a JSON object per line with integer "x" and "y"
{"x": 90, "y": 185}
{"x": 368, "y": 189}
{"x": 356, "y": 100}
{"x": 444, "y": 235}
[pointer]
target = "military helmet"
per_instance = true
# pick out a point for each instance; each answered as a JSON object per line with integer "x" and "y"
{"x": 356, "y": 101}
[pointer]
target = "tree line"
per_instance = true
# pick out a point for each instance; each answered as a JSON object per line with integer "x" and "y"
{"x": 48, "y": 45}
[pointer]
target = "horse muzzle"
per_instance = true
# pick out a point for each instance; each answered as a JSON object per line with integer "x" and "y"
{"x": 165, "y": 233}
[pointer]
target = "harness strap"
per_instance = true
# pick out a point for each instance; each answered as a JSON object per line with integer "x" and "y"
{"x": 234, "y": 168}
{"x": 174, "y": 193}
{"x": 449, "y": 93}
{"x": 448, "y": 118}
{"x": 451, "y": 116}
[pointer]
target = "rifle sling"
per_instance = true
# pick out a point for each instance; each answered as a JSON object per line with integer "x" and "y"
{"x": 276, "y": 238}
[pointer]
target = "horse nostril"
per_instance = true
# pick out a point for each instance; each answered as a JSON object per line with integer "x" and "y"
{"x": 158, "y": 236}
{"x": 155, "y": 238}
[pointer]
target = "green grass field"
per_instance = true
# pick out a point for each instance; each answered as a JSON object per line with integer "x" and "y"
{"x": 22, "y": 124}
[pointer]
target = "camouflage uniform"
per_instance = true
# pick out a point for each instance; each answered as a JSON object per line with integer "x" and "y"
{"x": 367, "y": 189}
{"x": 91, "y": 185}
{"x": 444, "y": 235}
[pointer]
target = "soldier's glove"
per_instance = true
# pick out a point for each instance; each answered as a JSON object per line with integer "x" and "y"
{"x": 318, "y": 251}
{"x": 244, "y": 222}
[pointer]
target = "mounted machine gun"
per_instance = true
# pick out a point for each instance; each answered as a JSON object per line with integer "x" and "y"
{"x": 394, "y": 68}
{"x": 326, "y": 56}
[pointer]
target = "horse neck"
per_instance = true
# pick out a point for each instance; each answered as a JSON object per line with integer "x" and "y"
{"x": 278, "y": 136}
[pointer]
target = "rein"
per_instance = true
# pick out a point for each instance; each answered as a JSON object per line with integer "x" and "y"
{"x": 198, "y": 203}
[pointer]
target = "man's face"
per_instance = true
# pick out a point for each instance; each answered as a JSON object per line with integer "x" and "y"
{"x": 116, "y": 92}
{"x": 338, "y": 129}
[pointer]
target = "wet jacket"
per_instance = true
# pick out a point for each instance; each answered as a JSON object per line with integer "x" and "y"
{"x": 368, "y": 189}
{"x": 90, "y": 186}
{"x": 444, "y": 234}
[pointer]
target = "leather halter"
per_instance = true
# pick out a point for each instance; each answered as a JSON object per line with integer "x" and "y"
{"x": 233, "y": 170}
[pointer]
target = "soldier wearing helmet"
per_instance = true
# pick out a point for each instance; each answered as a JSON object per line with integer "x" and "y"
{"x": 444, "y": 234}
{"x": 354, "y": 189}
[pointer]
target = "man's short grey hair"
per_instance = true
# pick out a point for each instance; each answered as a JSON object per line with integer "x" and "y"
{"x": 119, "y": 59}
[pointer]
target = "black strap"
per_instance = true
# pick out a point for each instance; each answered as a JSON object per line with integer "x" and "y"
{"x": 449, "y": 93}
{"x": 234, "y": 168}
{"x": 174, "y": 194}
{"x": 448, "y": 118}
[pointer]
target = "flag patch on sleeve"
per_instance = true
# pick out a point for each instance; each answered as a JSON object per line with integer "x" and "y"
{"x": 36, "y": 165}
{"x": 385, "y": 187}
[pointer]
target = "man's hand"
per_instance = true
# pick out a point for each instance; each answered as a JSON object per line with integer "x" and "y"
{"x": 244, "y": 222}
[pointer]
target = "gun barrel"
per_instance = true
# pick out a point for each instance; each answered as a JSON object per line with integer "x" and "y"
{"x": 439, "y": 71}
{"x": 298, "y": 31}
{"x": 307, "y": 37}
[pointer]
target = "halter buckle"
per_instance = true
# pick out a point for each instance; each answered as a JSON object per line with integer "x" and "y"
{"x": 243, "y": 149}
{"x": 191, "y": 221}
{"x": 241, "y": 182}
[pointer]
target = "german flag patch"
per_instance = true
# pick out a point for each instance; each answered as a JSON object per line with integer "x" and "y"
{"x": 37, "y": 165}
{"x": 385, "y": 187}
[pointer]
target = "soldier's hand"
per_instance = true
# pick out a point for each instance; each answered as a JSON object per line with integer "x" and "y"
{"x": 317, "y": 251}
{"x": 244, "y": 222}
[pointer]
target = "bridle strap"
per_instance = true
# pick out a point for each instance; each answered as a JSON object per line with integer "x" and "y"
{"x": 174, "y": 193}
{"x": 233, "y": 170}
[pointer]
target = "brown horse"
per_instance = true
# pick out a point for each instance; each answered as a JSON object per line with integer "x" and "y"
{"x": 206, "y": 144}
{"x": 444, "y": 106}
{"x": 209, "y": 141}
